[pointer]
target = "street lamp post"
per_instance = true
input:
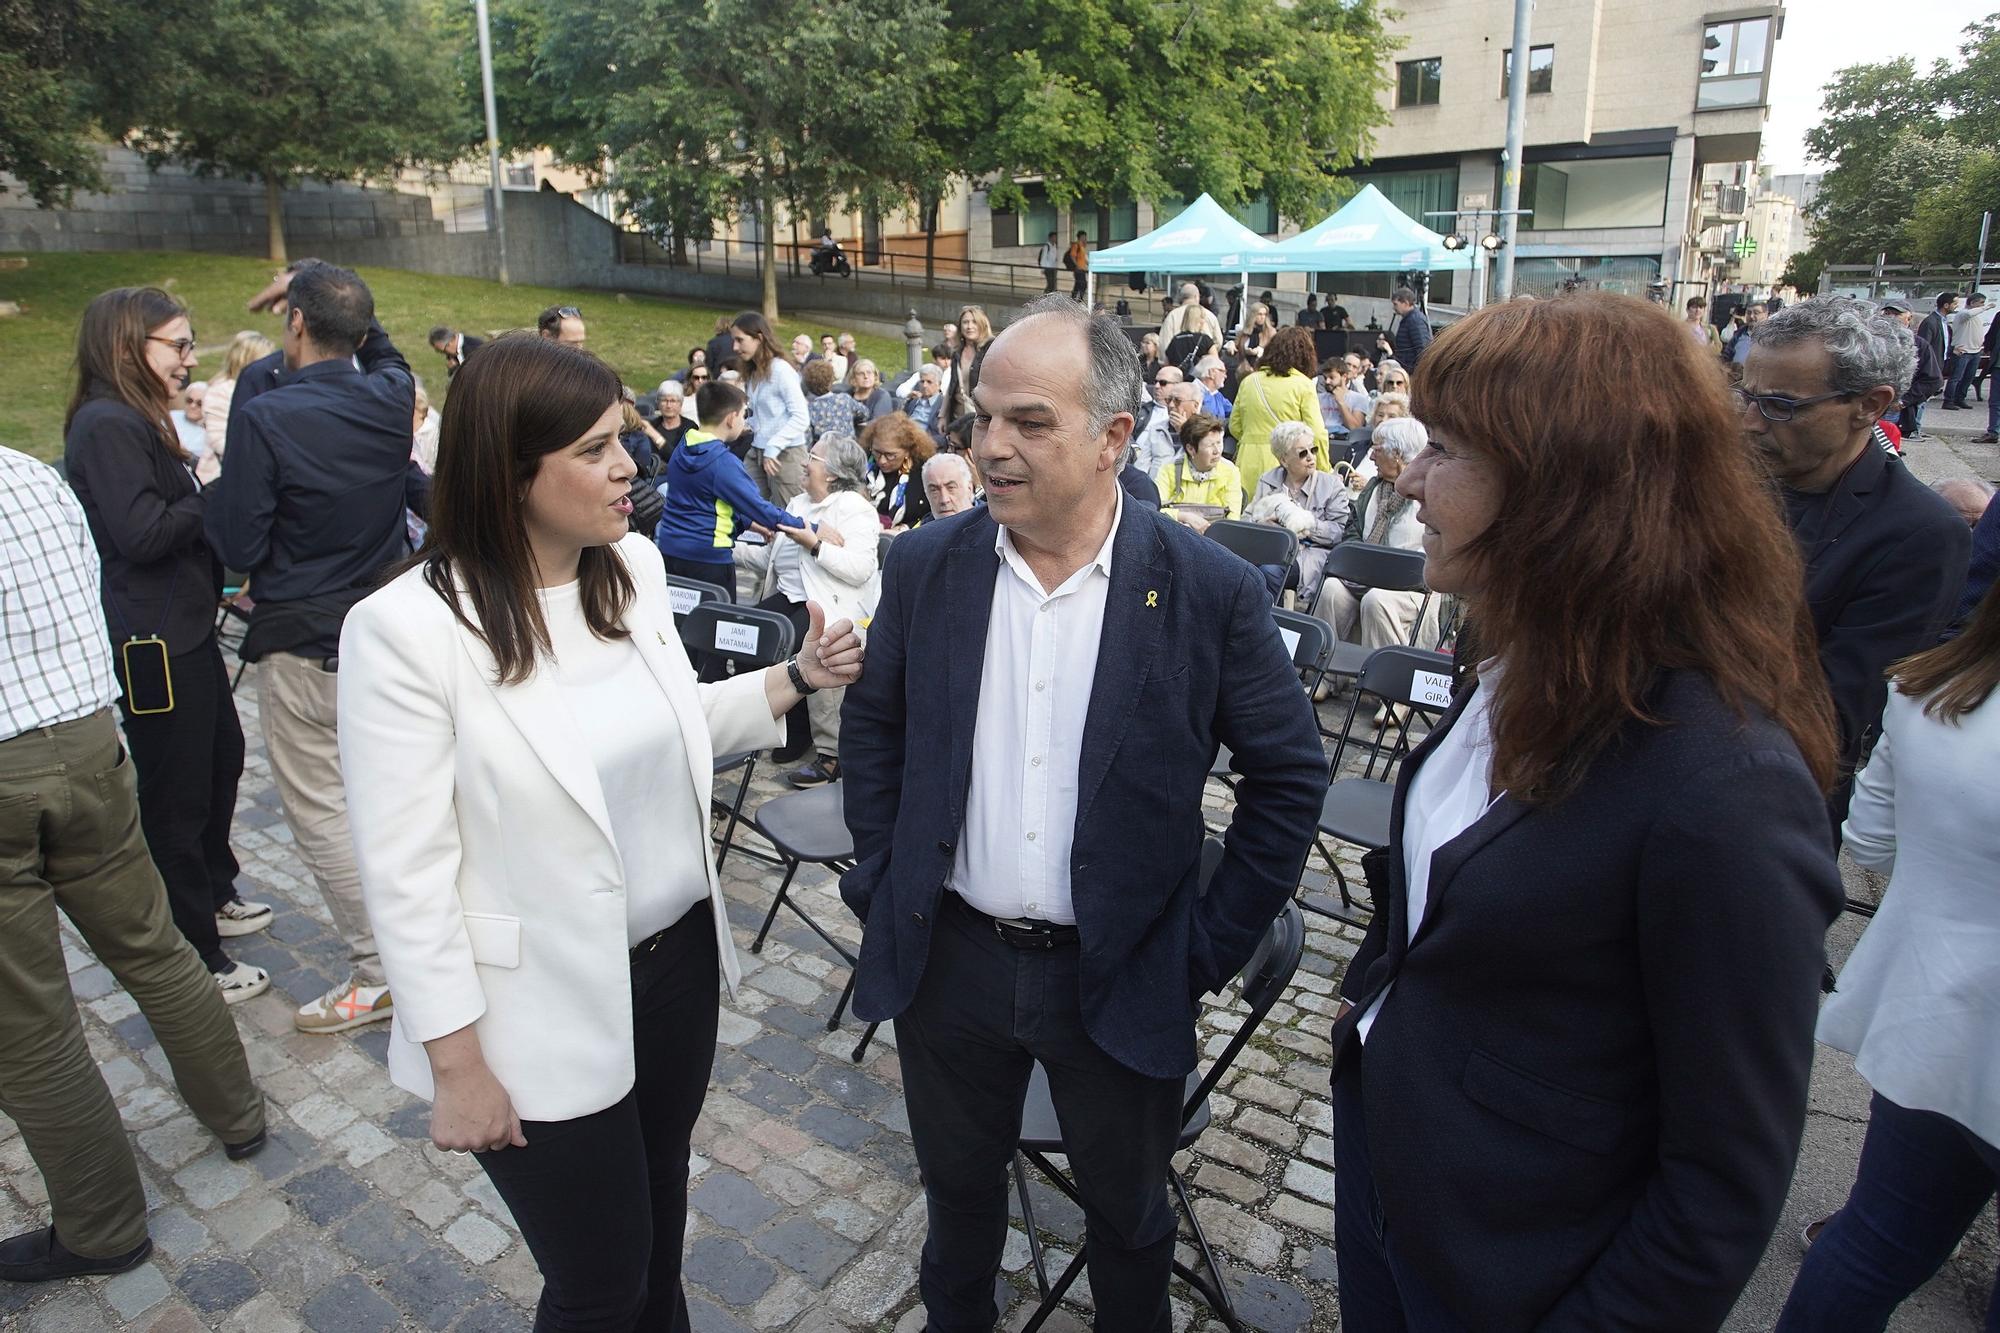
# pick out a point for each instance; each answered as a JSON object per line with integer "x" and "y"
{"x": 1517, "y": 118}
{"x": 492, "y": 133}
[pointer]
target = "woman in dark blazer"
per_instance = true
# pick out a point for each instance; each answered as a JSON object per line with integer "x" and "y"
{"x": 161, "y": 581}
{"x": 1570, "y": 1070}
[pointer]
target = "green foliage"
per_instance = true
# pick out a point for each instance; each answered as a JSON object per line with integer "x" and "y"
{"x": 1802, "y": 270}
{"x": 1945, "y": 227}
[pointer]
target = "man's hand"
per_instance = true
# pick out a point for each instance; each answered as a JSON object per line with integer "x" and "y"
{"x": 770, "y": 465}
{"x": 273, "y": 294}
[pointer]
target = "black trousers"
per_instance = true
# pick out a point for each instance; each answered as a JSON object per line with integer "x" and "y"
{"x": 1048, "y": 280}
{"x": 602, "y": 1199}
{"x": 722, "y": 575}
{"x": 984, "y": 1014}
{"x": 1078, "y": 280}
{"x": 188, "y": 762}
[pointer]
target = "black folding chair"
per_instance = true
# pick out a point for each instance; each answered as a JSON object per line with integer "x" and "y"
{"x": 1310, "y": 642}
{"x": 723, "y": 639}
{"x": 1411, "y": 682}
{"x": 810, "y": 827}
{"x": 1260, "y": 543}
{"x": 1388, "y": 568}
{"x": 882, "y": 548}
{"x": 1260, "y": 984}
{"x": 233, "y": 614}
{"x": 687, "y": 594}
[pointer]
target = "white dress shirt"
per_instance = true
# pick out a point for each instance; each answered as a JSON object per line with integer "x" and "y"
{"x": 1452, "y": 790}
{"x": 1027, "y": 741}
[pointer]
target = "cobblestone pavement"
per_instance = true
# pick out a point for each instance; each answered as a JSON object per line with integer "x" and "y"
{"x": 804, "y": 1209}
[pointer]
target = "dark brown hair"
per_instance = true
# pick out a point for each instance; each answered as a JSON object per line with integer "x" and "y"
{"x": 111, "y": 356}
{"x": 1960, "y": 674}
{"x": 1634, "y": 534}
{"x": 759, "y": 364}
{"x": 1291, "y": 348}
{"x": 543, "y": 396}
{"x": 1198, "y": 428}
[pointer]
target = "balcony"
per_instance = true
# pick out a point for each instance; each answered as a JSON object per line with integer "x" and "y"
{"x": 1722, "y": 205}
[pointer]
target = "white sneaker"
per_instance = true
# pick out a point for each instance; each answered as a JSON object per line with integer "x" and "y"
{"x": 344, "y": 1007}
{"x": 237, "y": 917}
{"x": 240, "y": 982}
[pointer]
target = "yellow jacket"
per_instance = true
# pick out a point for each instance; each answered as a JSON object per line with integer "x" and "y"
{"x": 1262, "y": 401}
{"x": 1224, "y": 486}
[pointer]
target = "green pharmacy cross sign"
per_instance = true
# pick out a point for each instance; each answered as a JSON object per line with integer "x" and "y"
{"x": 1745, "y": 247}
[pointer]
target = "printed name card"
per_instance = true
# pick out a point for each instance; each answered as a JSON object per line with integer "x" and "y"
{"x": 1291, "y": 638}
{"x": 732, "y": 638}
{"x": 684, "y": 599}
{"x": 1431, "y": 689}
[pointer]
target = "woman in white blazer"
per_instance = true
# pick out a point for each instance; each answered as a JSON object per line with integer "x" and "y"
{"x": 528, "y": 757}
{"x": 831, "y": 557}
{"x": 1918, "y": 1004}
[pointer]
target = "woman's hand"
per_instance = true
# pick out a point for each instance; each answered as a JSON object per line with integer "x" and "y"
{"x": 830, "y": 656}
{"x": 805, "y": 537}
{"x": 831, "y": 536}
{"x": 1195, "y": 521}
{"x": 471, "y": 1112}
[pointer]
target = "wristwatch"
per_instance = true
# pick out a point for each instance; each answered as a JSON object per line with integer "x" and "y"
{"x": 798, "y": 677}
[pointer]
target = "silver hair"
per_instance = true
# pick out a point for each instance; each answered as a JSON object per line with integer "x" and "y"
{"x": 1405, "y": 437}
{"x": 947, "y": 458}
{"x": 930, "y": 372}
{"x": 674, "y": 387}
{"x": 1208, "y": 363}
{"x": 1390, "y": 365}
{"x": 1383, "y": 400}
{"x": 1111, "y": 379}
{"x": 1289, "y": 435}
{"x": 1868, "y": 348}
{"x": 846, "y": 464}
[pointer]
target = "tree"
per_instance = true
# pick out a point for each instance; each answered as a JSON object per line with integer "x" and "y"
{"x": 1802, "y": 271}
{"x": 1945, "y": 227}
{"x": 333, "y": 90}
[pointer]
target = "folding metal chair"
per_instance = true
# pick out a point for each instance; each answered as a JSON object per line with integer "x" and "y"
{"x": 1388, "y": 568}
{"x": 1356, "y": 809}
{"x": 1310, "y": 642}
{"x": 1262, "y": 544}
{"x": 723, "y": 639}
{"x": 811, "y": 827}
{"x": 687, "y": 594}
{"x": 1261, "y": 982}
{"x": 234, "y": 612}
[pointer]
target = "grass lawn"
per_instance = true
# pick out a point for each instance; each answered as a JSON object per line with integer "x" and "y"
{"x": 643, "y": 336}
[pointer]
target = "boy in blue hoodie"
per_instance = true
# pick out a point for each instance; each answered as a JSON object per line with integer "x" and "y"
{"x": 710, "y": 499}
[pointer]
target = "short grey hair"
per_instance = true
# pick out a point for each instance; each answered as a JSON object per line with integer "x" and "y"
{"x": 846, "y": 464}
{"x": 1405, "y": 437}
{"x": 927, "y": 371}
{"x": 947, "y": 459}
{"x": 671, "y": 389}
{"x": 1391, "y": 366}
{"x": 1111, "y": 380}
{"x": 1867, "y": 347}
{"x": 1289, "y": 435}
{"x": 1401, "y": 400}
{"x": 1208, "y": 363}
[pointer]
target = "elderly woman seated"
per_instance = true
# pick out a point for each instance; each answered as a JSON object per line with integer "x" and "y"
{"x": 828, "y": 555}
{"x": 1382, "y": 517}
{"x": 1296, "y": 495}
{"x": 899, "y": 448}
{"x": 1387, "y": 407}
{"x": 1200, "y": 485}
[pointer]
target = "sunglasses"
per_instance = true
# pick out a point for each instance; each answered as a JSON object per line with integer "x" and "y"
{"x": 569, "y": 312}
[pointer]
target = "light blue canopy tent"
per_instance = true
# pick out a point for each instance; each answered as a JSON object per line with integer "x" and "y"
{"x": 1368, "y": 234}
{"x": 1202, "y": 238}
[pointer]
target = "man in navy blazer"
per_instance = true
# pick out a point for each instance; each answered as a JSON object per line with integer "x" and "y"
{"x": 1049, "y": 678}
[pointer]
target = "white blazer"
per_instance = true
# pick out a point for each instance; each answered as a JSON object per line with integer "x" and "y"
{"x": 1918, "y": 1004}
{"x": 487, "y": 859}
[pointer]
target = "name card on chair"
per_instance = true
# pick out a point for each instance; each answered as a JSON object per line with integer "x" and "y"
{"x": 1431, "y": 689}
{"x": 1291, "y": 638}
{"x": 731, "y": 638}
{"x": 684, "y": 599}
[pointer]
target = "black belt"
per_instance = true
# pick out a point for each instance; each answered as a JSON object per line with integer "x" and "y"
{"x": 1021, "y": 932}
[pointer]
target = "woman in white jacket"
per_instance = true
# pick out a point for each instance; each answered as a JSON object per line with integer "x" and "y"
{"x": 829, "y": 557}
{"x": 528, "y": 760}
{"x": 1918, "y": 1004}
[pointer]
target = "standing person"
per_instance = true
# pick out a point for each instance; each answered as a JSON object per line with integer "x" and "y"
{"x": 245, "y": 348}
{"x": 1280, "y": 389}
{"x": 974, "y": 332}
{"x": 1885, "y": 557}
{"x": 70, "y": 841}
{"x": 720, "y": 350}
{"x": 313, "y": 508}
{"x": 1968, "y": 332}
{"x": 777, "y": 465}
{"x": 556, "y": 974}
{"x": 709, "y": 500}
{"x": 563, "y": 324}
{"x": 1611, "y": 1147}
{"x": 1926, "y": 813}
{"x": 1413, "y": 327}
{"x": 1924, "y": 383}
{"x": 1023, "y": 903}
{"x": 1189, "y": 317}
{"x": 1046, "y": 259}
{"x": 454, "y": 346}
{"x": 1698, "y": 326}
{"x": 161, "y": 582}
{"x": 827, "y": 555}
{"x": 1252, "y": 341}
{"x": 1077, "y": 261}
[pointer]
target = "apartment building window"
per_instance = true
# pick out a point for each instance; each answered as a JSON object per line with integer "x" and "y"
{"x": 1541, "y": 70}
{"x": 1735, "y": 64}
{"x": 1597, "y": 192}
{"x": 1418, "y": 82}
{"x": 519, "y": 175}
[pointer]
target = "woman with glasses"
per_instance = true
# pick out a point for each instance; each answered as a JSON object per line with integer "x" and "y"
{"x": 1390, "y": 377}
{"x": 1317, "y": 503}
{"x": 778, "y": 414}
{"x": 1280, "y": 389}
{"x": 1200, "y": 485}
{"x": 134, "y": 351}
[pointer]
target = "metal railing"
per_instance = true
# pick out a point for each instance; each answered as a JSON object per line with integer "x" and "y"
{"x": 954, "y": 273}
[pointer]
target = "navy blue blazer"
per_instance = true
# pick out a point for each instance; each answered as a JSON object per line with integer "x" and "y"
{"x": 1585, "y": 1094}
{"x": 1189, "y": 658}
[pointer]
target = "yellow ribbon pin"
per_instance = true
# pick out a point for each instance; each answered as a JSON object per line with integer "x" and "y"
{"x": 1152, "y": 599}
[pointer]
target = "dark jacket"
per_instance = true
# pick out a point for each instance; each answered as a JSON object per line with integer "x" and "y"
{"x": 1138, "y": 486}
{"x": 720, "y": 348}
{"x": 1885, "y": 563}
{"x": 1413, "y": 335}
{"x": 1928, "y": 377}
{"x": 1984, "y": 566}
{"x": 160, "y": 577}
{"x": 1189, "y": 658}
{"x": 710, "y": 499}
{"x": 1932, "y": 332}
{"x": 1585, "y": 1094}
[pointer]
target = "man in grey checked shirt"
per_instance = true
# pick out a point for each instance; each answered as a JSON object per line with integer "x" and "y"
{"x": 70, "y": 839}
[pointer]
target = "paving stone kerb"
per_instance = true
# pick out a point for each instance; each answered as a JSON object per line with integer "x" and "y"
{"x": 804, "y": 1209}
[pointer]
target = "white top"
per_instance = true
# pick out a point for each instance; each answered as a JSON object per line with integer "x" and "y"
{"x": 1918, "y": 1004}
{"x": 1049, "y": 256}
{"x": 1451, "y": 791}
{"x": 1155, "y": 444}
{"x": 778, "y": 412}
{"x": 1027, "y": 741}
{"x": 625, "y": 726}
{"x": 55, "y": 658}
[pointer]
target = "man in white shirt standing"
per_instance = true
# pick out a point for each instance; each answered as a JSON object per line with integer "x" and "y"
{"x": 1029, "y": 869}
{"x": 1048, "y": 259}
{"x": 69, "y": 836}
{"x": 1968, "y": 333}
